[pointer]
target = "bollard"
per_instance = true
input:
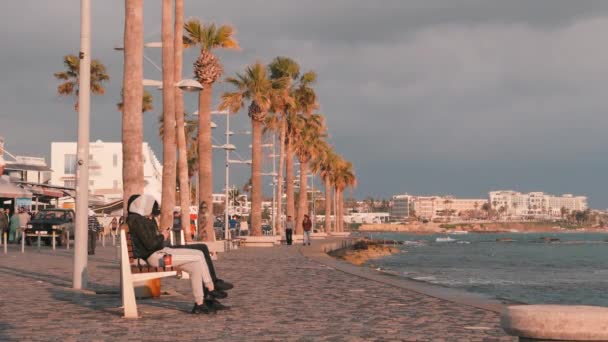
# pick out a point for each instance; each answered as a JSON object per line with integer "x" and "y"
{"x": 171, "y": 236}
{"x": 114, "y": 239}
{"x": 103, "y": 240}
{"x": 67, "y": 245}
{"x": 22, "y": 244}
{"x": 182, "y": 238}
{"x": 4, "y": 240}
{"x": 38, "y": 243}
{"x": 53, "y": 242}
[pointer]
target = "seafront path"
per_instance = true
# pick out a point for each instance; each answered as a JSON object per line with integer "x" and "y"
{"x": 282, "y": 293}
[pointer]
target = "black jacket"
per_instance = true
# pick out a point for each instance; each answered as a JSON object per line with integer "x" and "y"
{"x": 144, "y": 236}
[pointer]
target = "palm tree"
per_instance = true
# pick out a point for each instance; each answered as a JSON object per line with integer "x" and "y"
{"x": 169, "y": 144}
{"x": 71, "y": 78}
{"x": 282, "y": 67}
{"x": 254, "y": 86}
{"x": 132, "y": 120}
{"x": 324, "y": 165}
{"x": 307, "y": 145}
{"x": 306, "y": 102}
{"x": 344, "y": 177}
{"x": 182, "y": 148}
{"x": 207, "y": 69}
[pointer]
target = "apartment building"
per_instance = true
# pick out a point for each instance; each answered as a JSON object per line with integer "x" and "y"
{"x": 535, "y": 204}
{"x": 431, "y": 207}
{"x": 105, "y": 168}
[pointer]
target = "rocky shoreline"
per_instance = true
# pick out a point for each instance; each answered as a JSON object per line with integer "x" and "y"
{"x": 478, "y": 227}
{"x": 366, "y": 249}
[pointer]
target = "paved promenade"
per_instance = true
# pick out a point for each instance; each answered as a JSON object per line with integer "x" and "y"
{"x": 280, "y": 295}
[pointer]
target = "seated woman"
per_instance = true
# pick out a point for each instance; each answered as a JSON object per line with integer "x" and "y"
{"x": 148, "y": 244}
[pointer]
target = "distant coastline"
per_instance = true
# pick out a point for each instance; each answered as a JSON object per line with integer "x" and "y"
{"x": 475, "y": 227}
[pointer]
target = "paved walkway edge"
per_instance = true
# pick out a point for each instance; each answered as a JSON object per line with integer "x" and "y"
{"x": 318, "y": 252}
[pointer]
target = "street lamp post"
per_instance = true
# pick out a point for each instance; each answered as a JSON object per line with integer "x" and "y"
{"x": 82, "y": 168}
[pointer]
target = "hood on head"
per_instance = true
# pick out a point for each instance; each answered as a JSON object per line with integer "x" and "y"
{"x": 142, "y": 205}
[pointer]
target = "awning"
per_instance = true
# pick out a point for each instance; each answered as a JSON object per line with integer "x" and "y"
{"x": 11, "y": 190}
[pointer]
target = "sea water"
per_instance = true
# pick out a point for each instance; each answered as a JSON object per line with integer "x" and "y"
{"x": 530, "y": 269}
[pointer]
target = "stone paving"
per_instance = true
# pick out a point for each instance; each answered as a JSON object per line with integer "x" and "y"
{"x": 280, "y": 295}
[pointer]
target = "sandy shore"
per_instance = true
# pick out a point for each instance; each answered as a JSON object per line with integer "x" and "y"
{"x": 363, "y": 251}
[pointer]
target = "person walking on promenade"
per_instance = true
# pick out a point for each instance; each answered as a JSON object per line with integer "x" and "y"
{"x": 114, "y": 226}
{"x": 14, "y": 228}
{"x": 94, "y": 227}
{"x": 4, "y": 227}
{"x": 24, "y": 219}
{"x": 148, "y": 244}
{"x": 307, "y": 225}
{"x": 177, "y": 227}
{"x": 289, "y": 230}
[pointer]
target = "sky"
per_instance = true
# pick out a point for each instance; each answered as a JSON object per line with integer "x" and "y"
{"x": 453, "y": 97}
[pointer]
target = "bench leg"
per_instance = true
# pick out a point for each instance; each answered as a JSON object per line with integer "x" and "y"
{"x": 128, "y": 299}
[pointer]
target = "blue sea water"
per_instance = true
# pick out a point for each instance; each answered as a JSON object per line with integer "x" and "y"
{"x": 573, "y": 270}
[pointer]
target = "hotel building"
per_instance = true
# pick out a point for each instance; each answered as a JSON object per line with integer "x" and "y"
{"x": 535, "y": 204}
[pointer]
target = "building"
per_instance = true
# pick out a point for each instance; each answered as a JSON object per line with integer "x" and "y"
{"x": 431, "y": 207}
{"x": 105, "y": 168}
{"x": 537, "y": 205}
{"x": 400, "y": 210}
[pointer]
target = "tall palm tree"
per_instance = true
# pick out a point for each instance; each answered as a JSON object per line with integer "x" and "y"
{"x": 132, "y": 120}
{"x": 306, "y": 102}
{"x": 307, "y": 145}
{"x": 283, "y": 102}
{"x": 182, "y": 158}
{"x": 255, "y": 86}
{"x": 70, "y": 76}
{"x": 207, "y": 69}
{"x": 344, "y": 177}
{"x": 324, "y": 165}
{"x": 169, "y": 144}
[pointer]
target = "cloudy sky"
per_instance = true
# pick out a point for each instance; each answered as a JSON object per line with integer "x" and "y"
{"x": 425, "y": 97}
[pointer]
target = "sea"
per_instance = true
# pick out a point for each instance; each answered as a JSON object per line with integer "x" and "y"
{"x": 532, "y": 268}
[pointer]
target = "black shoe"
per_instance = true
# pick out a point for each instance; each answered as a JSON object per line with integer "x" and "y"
{"x": 202, "y": 309}
{"x": 214, "y": 304}
{"x": 223, "y": 285}
{"x": 218, "y": 294}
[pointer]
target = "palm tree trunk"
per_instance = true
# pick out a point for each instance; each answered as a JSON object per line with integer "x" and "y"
{"x": 205, "y": 155}
{"x": 169, "y": 155}
{"x": 279, "y": 198}
{"x": 182, "y": 161}
{"x": 256, "y": 179}
{"x": 289, "y": 177}
{"x": 327, "y": 205}
{"x": 341, "y": 204}
{"x": 336, "y": 228}
{"x": 302, "y": 197}
{"x": 132, "y": 121}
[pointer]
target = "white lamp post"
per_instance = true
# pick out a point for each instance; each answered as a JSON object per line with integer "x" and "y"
{"x": 82, "y": 168}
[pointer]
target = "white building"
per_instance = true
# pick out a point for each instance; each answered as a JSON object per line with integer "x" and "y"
{"x": 400, "y": 210}
{"x": 431, "y": 207}
{"x": 105, "y": 168}
{"x": 535, "y": 204}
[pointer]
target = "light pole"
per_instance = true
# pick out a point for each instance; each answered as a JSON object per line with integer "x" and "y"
{"x": 82, "y": 168}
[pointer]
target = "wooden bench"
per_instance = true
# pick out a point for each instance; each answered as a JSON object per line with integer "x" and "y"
{"x": 135, "y": 270}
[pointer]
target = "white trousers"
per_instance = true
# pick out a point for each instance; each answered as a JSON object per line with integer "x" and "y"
{"x": 189, "y": 260}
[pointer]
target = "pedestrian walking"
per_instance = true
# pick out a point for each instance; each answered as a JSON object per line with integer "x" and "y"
{"x": 289, "y": 230}
{"x": 13, "y": 234}
{"x": 94, "y": 227}
{"x": 114, "y": 226}
{"x": 24, "y": 219}
{"x": 177, "y": 227}
{"x": 4, "y": 226}
{"x": 307, "y": 225}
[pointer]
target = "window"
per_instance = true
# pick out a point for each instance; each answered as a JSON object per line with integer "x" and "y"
{"x": 115, "y": 160}
{"x": 91, "y": 182}
{"x": 115, "y": 184}
{"x": 69, "y": 183}
{"x": 69, "y": 164}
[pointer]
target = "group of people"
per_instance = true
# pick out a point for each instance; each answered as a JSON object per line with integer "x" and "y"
{"x": 306, "y": 226}
{"x": 152, "y": 245}
{"x": 12, "y": 224}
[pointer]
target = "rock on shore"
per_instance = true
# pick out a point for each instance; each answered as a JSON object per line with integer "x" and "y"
{"x": 364, "y": 250}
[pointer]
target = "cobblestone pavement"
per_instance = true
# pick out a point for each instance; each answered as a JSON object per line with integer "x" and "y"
{"x": 279, "y": 296}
